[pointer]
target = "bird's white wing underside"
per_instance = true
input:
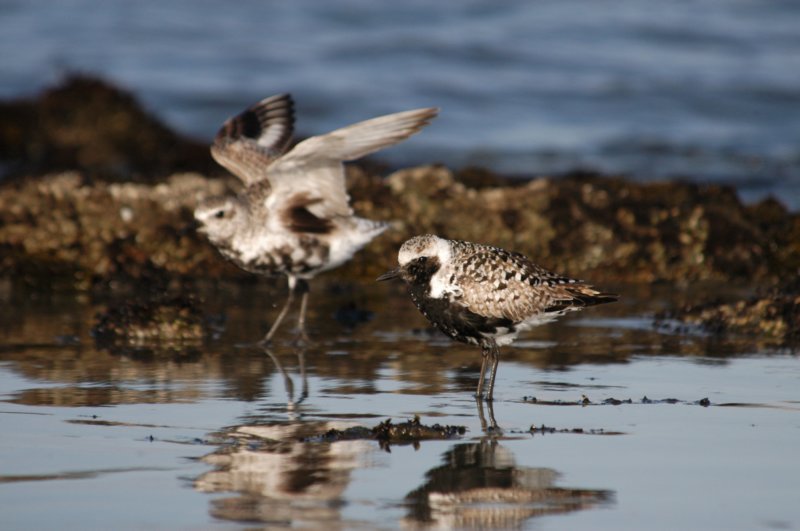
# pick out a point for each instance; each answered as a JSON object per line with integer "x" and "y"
{"x": 314, "y": 166}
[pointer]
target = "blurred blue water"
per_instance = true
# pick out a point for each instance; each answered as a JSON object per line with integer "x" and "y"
{"x": 705, "y": 89}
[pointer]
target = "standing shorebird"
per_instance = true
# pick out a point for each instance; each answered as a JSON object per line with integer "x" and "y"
{"x": 294, "y": 217}
{"x": 485, "y": 295}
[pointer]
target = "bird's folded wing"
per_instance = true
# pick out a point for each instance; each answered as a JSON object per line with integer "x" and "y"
{"x": 503, "y": 284}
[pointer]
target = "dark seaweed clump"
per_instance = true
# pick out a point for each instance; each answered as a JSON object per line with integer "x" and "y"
{"x": 387, "y": 433}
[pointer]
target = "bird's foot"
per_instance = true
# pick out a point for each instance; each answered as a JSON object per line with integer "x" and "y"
{"x": 301, "y": 338}
{"x": 489, "y": 428}
{"x": 266, "y": 342}
{"x": 483, "y": 397}
{"x": 493, "y": 429}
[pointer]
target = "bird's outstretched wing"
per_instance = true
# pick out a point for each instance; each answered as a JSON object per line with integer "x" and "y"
{"x": 314, "y": 166}
{"x": 247, "y": 143}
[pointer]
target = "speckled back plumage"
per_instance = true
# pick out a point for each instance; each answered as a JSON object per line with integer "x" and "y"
{"x": 499, "y": 283}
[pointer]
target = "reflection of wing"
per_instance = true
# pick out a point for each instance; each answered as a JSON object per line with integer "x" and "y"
{"x": 315, "y": 167}
{"x": 248, "y": 142}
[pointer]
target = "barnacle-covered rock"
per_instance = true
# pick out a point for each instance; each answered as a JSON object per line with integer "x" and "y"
{"x": 174, "y": 323}
{"x": 83, "y": 225}
{"x": 773, "y": 317}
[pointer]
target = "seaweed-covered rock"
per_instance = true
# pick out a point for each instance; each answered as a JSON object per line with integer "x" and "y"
{"x": 601, "y": 227}
{"x": 164, "y": 323}
{"x": 414, "y": 430}
{"x": 84, "y": 229}
{"x": 65, "y": 226}
{"x": 774, "y": 317}
{"x": 387, "y": 432}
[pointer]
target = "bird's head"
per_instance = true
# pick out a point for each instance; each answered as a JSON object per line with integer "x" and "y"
{"x": 219, "y": 217}
{"x": 419, "y": 258}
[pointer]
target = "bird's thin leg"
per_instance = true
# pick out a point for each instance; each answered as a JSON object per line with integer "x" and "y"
{"x": 492, "y": 422}
{"x": 301, "y": 320}
{"x": 284, "y": 311}
{"x": 495, "y": 355}
{"x": 302, "y": 335}
{"x": 481, "y": 417}
{"x": 301, "y": 286}
{"x": 484, "y": 354}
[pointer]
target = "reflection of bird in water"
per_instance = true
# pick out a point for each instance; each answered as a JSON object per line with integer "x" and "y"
{"x": 291, "y": 403}
{"x": 278, "y": 478}
{"x": 480, "y": 486}
{"x": 294, "y": 216}
{"x": 492, "y": 426}
{"x": 485, "y": 295}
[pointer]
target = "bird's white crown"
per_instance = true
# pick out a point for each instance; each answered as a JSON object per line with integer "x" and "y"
{"x": 427, "y": 245}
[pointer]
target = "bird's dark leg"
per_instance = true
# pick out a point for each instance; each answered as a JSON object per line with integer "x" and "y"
{"x": 492, "y": 423}
{"x": 484, "y": 355}
{"x": 302, "y": 287}
{"x": 481, "y": 417}
{"x": 284, "y": 311}
{"x": 494, "y": 353}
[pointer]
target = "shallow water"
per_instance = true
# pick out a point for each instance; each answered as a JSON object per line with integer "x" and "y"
{"x": 212, "y": 437}
{"x": 697, "y": 88}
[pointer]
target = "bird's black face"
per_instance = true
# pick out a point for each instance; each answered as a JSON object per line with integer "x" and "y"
{"x": 416, "y": 272}
{"x": 420, "y": 270}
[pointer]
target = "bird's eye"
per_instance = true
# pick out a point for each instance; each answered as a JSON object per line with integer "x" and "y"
{"x": 422, "y": 259}
{"x": 220, "y": 214}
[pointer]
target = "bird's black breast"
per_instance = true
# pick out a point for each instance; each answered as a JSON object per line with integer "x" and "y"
{"x": 456, "y": 320}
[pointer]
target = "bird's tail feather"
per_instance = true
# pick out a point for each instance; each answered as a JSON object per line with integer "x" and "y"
{"x": 587, "y": 296}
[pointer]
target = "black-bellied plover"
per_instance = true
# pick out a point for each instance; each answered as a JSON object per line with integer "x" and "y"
{"x": 485, "y": 295}
{"x": 294, "y": 216}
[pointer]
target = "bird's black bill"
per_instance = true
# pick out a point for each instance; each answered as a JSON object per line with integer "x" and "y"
{"x": 389, "y": 275}
{"x": 192, "y": 226}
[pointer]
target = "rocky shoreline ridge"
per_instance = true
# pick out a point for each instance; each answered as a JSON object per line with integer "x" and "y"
{"x": 100, "y": 191}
